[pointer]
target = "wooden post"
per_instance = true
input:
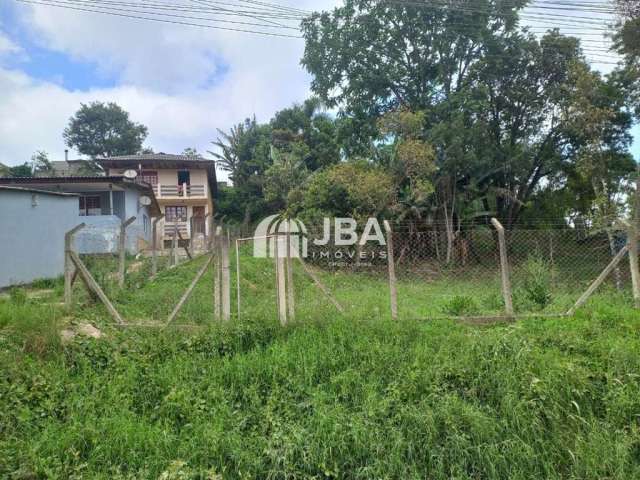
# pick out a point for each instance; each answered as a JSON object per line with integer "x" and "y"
{"x": 226, "y": 279}
{"x": 92, "y": 285}
{"x": 598, "y": 281}
{"x": 504, "y": 268}
{"x": 291, "y": 306}
{"x": 216, "y": 273}
{"x": 154, "y": 246}
{"x": 69, "y": 270}
{"x": 122, "y": 250}
{"x": 280, "y": 280}
{"x": 187, "y": 293}
{"x": 393, "y": 291}
{"x": 238, "y": 276}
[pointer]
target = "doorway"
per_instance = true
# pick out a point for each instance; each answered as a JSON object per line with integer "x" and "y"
{"x": 198, "y": 226}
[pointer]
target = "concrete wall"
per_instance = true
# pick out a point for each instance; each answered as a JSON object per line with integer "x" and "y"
{"x": 101, "y": 235}
{"x": 32, "y": 237}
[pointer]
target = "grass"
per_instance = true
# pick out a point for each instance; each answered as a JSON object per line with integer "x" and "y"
{"x": 331, "y": 396}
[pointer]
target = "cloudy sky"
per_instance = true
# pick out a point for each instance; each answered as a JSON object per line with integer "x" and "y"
{"x": 183, "y": 82}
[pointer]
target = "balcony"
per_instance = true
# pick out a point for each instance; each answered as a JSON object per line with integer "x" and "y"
{"x": 172, "y": 228}
{"x": 180, "y": 191}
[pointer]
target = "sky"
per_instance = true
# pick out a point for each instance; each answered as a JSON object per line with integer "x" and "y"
{"x": 182, "y": 82}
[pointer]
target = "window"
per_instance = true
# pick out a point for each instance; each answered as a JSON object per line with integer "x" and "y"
{"x": 90, "y": 205}
{"x": 146, "y": 224}
{"x": 175, "y": 214}
{"x": 149, "y": 176}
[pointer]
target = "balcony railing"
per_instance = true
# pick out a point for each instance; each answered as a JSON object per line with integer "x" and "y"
{"x": 180, "y": 191}
{"x": 170, "y": 229}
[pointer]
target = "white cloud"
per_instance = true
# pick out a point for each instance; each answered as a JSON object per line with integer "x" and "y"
{"x": 181, "y": 82}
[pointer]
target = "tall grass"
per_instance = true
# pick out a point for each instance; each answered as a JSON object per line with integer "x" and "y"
{"x": 331, "y": 396}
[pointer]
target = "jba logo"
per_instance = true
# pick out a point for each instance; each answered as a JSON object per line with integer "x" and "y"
{"x": 272, "y": 232}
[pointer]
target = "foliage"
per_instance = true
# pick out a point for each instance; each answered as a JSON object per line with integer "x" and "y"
{"x": 460, "y": 305}
{"x": 23, "y": 170}
{"x": 353, "y": 189}
{"x": 536, "y": 278}
{"x": 103, "y": 130}
{"x": 40, "y": 163}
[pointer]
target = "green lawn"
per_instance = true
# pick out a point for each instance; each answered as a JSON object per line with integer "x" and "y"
{"x": 331, "y": 396}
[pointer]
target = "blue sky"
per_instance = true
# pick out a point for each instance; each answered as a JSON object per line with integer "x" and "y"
{"x": 182, "y": 82}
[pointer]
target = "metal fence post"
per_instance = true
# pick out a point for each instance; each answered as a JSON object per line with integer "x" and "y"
{"x": 393, "y": 291}
{"x": 504, "y": 268}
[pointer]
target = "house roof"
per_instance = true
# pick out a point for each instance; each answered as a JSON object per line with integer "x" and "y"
{"x": 37, "y": 190}
{"x": 163, "y": 160}
{"x": 59, "y": 182}
{"x": 65, "y": 168}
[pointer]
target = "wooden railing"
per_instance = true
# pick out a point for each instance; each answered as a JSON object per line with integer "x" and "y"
{"x": 182, "y": 191}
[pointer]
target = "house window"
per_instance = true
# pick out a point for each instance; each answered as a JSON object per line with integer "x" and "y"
{"x": 146, "y": 224}
{"x": 90, "y": 205}
{"x": 149, "y": 177}
{"x": 175, "y": 214}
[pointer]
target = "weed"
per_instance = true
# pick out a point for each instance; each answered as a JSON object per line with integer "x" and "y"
{"x": 18, "y": 296}
{"x": 536, "y": 282}
{"x": 460, "y": 305}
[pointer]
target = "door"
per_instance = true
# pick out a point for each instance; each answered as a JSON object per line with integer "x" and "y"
{"x": 198, "y": 220}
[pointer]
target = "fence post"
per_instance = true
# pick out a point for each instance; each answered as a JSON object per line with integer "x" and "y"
{"x": 238, "y": 277}
{"x": 393, "y": 291}
{"x": 69, "y": 268}
{"x": 633, "y": 245}
{"x": 174, "y": 246}
{"x": 290, "y": 287}
{"x": 216, "y": 272}
{"x": 226, "y": 279}
{"x": 598, "y": 281}
{"x": 122, "y": 249}
{"x": 154, "y": 246}
{"x": 280, "y": 280}
{"x": 504, "y": 267}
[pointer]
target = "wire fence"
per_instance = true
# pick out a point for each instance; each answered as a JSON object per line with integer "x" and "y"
{"x": 407, "y": 272}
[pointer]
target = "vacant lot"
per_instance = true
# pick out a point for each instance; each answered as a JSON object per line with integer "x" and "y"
{"x": 331, "y": 396}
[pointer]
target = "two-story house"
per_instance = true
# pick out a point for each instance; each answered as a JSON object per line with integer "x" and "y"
{"x": 184, "y": 187}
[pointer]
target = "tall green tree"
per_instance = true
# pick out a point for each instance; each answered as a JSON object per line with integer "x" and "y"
{"x": 40, "y": 164}
{"x": 103, "y": 130}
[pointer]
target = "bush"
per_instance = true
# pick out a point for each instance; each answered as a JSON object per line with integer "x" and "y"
{"x": 460, "y": 305}
{"x": 537, "y": 278}
{"x": 18, "y": 296}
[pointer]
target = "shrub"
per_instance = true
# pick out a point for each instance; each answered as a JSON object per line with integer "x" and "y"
{"x": 18, "y": 296}
{"x": 460, "y": 305}
{"x": 537, "y": 281}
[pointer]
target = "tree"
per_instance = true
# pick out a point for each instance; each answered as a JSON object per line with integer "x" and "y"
{"x": 23, "y": 170}
{"x": 353, "y": 189}
{"x": 286, "y": 176}
{"x": 190, "y": 152}
{"x": 40, "y": 163}
{"x": 104, "y": 130}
